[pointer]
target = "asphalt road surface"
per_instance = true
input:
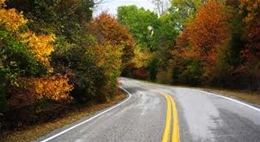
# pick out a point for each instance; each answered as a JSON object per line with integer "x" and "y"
{"x": 154, "y": 113}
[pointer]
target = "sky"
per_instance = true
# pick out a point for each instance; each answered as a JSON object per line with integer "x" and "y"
{"x": 111, "y": 5}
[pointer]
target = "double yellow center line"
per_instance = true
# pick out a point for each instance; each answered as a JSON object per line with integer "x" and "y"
{"x": 171, "y": 120}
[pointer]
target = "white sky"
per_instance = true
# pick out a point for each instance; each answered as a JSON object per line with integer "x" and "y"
{"x": 111, "y": 5}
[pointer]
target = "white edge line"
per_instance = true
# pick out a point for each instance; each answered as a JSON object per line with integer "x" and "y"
{"x": 73, "y": 127}
{"x": 233, "y": 100}
{"x": 228, "y": 98}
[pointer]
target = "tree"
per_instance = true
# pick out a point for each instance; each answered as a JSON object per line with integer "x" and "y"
{"x": 112, "y": 51}
{"x": 251, "y": 52}
{"x": 56, "y": 16}
{"x": 185, "y": 10}
{"x": 105, "y": 28}
{"x": 209, "y": 31}
{"x": 203, "y": 48}
{"x": 142, "y": 57}
{"x": 251, "y": 11}
{"x": 164, "y": 40}
{"x": 108, "y": 58}
{"x": 137, "y": 20}
{"x": 151, "y": 32}
{"x": 162, "y": 6}
{"x": 187, "y": 68}
{"x": 24, "y": 57}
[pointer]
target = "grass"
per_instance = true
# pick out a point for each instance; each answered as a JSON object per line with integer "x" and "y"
{"x": 247, "y": 96}
{"x": 33, "y": 132}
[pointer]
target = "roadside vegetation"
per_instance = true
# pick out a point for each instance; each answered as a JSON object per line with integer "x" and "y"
{"x": 69, "y": 116}
{"x": 197, "y": 43}
{"x": 54, "y": 55}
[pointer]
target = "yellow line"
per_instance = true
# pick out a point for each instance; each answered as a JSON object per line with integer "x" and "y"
{"x": 175, "y": 127}
{"x": 167, "y": 129}
{"x": 171, "y": 113}
{"x": 175, "y": 134}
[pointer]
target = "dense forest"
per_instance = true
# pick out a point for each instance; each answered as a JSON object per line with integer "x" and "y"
{"x": 54, "y": 54}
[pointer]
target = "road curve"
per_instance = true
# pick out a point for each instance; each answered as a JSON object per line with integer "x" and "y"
{"x": 147, "y": 113}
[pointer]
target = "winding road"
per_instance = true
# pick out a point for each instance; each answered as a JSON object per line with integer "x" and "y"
{"x": 154, "y": 113}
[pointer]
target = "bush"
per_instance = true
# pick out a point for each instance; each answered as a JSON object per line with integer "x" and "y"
{"x": 164, "y": 77}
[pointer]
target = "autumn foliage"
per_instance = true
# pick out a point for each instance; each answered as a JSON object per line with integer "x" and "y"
{"x": 208, "y": 32}
{"x": 250, "y": 9}
{"x": 25, "y": 66}
{"x": 11, "y": 19}
{"x": 40, "y": 46}
{"x": 54, "y": 55}
{"x": 113, "y": 50}
{"x": 107, "y": 29}
{"x": 220, "y": 46}
{"x": 54, "y": 87}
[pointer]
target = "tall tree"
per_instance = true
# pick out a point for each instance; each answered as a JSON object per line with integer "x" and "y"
{"x": 250, "y": 9}
{"x": 210, "y": 18}
{"x": 140, "y": 22}
{"x": 106, "y": 28}
{"x": 162, "y": 6}
{"x": 112, "y": 52}
{"x": 164, "y": 40}
{"x": 185, "y": 9}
